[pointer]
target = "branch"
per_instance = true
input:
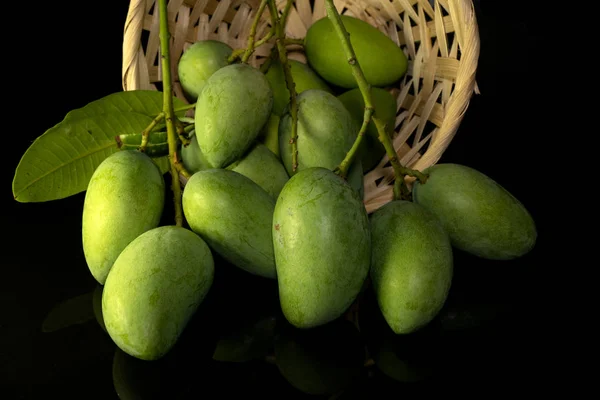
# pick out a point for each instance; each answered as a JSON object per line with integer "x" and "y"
{"x": 250, "y": 47}
{"x": 400, "y": 188}
{"x": 146, "y": 132}
{"x": 254, "y": 45}
{"x": 288, "y": 80}
{"x": 168, "y": 111}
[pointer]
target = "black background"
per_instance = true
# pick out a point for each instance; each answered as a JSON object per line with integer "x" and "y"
{"x": 62, "y": 55}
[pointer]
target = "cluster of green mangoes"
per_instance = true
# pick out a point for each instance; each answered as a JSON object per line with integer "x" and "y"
{"x": 306, "y": 228}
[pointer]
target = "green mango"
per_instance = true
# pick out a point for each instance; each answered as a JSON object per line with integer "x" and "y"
{"x": 322, "y": 360}
{"x": 154, "y": 288}
{"x": 326, "y": 131}
{"x": 411, "y": 264}
{"x": 269, "y": 135}
{"x": 303, "y": 76}
{"x": 480, "y": 216}
{"x": 371, "y": 149}
{"x": 381, "y": 60}
{"x": 192, "y": 157}
{"x": 233, "y": 214}
{"x": 356, "y": 178}
{"x": 198, "y": 62}
{"x": 231, "y": 110}
{"x": 322, "y": 246}
{"x": 125, "y": 198}
{"x": 263, "y": 167}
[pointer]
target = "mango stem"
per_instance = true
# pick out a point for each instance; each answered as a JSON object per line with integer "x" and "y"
{"x": 252, "y": 34}
{"x": 146, "y": 132}
{"x": 291, "y": 86}
{"x": 176, "y": 165}
{"x": 401, "y": 191}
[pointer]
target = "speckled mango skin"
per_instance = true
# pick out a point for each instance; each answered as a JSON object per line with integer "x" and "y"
{"x": 322, "y": 245}
{"x": 326, "y": 131}
{"x": 269, "y": 135}
{"x": 192, "y": 157}
{"x": 380, "y": 59}
{"x": 411, "y": 265}
{"x": 125, "y": 198}
{"x": 230, "y": 112}
{"x": 198, "y": 62}
{"x": 233, "y": 215}
{"x": 262, "y": 167}
{"x": 154, "y": 288}
{"x": 479, "y": 215}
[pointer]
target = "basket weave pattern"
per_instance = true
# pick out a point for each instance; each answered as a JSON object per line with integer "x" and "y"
{"x": 439, "y": 37}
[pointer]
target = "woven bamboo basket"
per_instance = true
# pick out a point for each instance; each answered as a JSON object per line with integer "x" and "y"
{"x": 439, "y": 37}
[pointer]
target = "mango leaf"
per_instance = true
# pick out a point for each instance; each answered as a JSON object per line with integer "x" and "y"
{"x": 77, "y": 310}
{"x": 61, "y": 162}
{"x": 163, "y": 163}
{"x": 147, "y": 102}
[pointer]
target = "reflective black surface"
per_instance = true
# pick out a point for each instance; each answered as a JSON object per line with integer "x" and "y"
{"x": 52, "y": 341}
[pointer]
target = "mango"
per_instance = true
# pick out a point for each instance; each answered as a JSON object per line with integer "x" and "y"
{"x": 411, "y": 264}
{"x": 322, "y": 247}
{"x": 155, "y": 286}
{"x": 263, "y": 167}
{"x": 125, "y": 198}
{"x": 371, "y": 149}
{"x": 198, "y": 62}
{"x": 326, "y": 131}
{"x": 230, "y": 112}
{"x": 322, "y": 360}
{"x": 192, "y": 157}
{"x": 233, "y": 215}
{"x": 269, "y": 135}
{"x": 381, "y": 60}
{"x": 304, "y": 78}
{"x": 480, "y": 216}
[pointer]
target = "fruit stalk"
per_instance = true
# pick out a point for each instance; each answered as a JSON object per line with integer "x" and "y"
{"x": 182, "y": 133}
{"x": 252, "y": 34}
{"x": 400, "y": 189}
{"x": 292, "y": 41}
{"x": 237, "y": 53}
{"x": 283, "y": 21}
{"x": 176, "y": 166}
{"x": 146, "y": 132}
{"x": 185, "y": 108}
{"x": 291, "y": 86}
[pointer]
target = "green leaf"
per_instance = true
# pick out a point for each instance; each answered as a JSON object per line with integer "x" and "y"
{"x": 61, "y": 162}
{"x": 163, "y": 163}
{"x": 147, "y": 102}
{"x": 77, "y": 310}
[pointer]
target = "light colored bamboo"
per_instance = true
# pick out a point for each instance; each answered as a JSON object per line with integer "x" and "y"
{"x": 439, "y": 37}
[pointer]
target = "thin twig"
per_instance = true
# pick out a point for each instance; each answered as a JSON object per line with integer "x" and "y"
{"x": 168, "y": 111}
{"x": 291, "y": 86}
{"x": 146, "y": 132}
{"x": 252, "y": 34}
{"x": 400, "y": 189}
